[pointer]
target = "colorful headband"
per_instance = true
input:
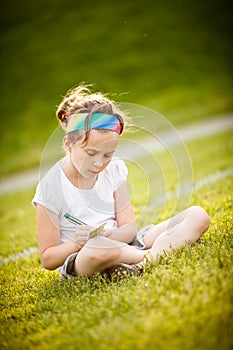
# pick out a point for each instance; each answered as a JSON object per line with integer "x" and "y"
{"x": 97, "y": 121}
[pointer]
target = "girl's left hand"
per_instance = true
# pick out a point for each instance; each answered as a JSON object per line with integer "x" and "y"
{"x": 106, "y": 233}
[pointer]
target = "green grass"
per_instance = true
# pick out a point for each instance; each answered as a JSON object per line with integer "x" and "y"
{"x": 183, "y": 302}
{"x": 174, "y": 57}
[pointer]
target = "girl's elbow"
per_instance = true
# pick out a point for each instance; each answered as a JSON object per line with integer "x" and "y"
{"x": 46, "y": 263}
{"x": 132, "y": 234}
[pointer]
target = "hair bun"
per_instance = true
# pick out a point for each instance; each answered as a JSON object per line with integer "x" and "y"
{"x": 62, "y": 115}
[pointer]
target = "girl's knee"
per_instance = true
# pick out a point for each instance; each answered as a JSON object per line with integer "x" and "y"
{"x": 101, "y": 257}
{"x": 200, "y": 217}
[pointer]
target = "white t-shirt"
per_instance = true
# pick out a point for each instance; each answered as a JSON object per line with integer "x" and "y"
{"x": 93, "y": 206}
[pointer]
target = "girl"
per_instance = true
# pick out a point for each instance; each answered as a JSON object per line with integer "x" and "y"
{"x": 89, "y": 184}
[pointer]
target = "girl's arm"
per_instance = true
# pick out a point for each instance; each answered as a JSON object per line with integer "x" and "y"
{"x": 127, "y": 228}
{"x": 52, "y": 252}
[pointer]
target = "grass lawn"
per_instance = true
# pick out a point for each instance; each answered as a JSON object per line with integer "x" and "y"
{"x": 171, "y": 56}
{"x": 184, "y": 301}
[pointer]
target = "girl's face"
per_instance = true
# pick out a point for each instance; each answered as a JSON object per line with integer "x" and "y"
{"x": 91, "y": 159}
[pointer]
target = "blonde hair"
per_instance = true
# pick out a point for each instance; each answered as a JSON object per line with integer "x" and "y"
{"x": 82, "y": 100}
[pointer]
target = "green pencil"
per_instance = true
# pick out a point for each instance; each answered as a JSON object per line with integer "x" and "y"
{"x": 74, "y": 220}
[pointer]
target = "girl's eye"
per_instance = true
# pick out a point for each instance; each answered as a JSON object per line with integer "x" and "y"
{"x": 91, "y": 154}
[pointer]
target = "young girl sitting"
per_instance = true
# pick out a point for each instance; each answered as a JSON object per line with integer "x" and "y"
{"x": 90, "y": 185}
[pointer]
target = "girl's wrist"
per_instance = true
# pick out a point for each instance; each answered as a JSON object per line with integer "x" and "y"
{"x": 73, "y": 245}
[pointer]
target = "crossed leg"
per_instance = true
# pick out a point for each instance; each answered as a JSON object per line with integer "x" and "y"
{"x": 100, "y": 252}
{"x": 186, "y": 227}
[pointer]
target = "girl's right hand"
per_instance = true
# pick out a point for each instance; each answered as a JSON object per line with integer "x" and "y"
{"x": 81, "y": 235}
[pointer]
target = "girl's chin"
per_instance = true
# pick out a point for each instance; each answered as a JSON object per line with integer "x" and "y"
{"x": 88, "y": 175}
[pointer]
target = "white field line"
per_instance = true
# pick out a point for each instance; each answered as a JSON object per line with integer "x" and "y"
{"x": 208, "y": 180}
{"x": 187, "y": 133}
{"x": 20, "y": 255}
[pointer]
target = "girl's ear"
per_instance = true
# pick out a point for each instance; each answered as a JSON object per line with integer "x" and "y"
{"x": 67, "y": 144}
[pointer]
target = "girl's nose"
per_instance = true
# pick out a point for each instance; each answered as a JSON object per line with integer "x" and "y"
{"x": 98, "y": 162}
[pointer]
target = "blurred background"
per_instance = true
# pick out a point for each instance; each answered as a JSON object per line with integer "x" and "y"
{"x": 174, "y": 57}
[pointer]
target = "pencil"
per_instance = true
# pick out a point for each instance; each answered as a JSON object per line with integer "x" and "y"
{"x": 74, "y": 220}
